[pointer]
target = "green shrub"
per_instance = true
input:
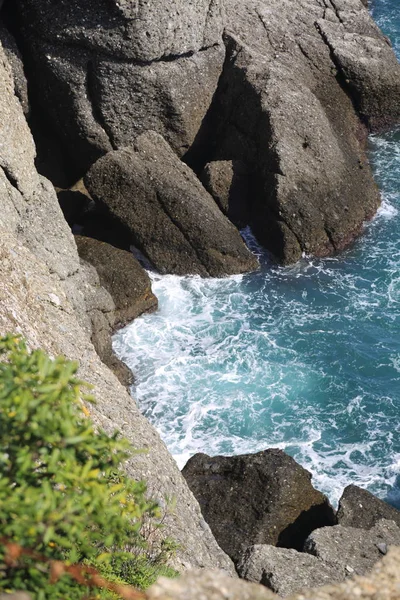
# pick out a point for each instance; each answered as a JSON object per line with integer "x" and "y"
{"x": 63, "y": 493}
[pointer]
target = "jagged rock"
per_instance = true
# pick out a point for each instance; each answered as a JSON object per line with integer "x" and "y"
{"x": 171, "y": 217}
{"x": 382, "y": 584}
{"x": 352, "y": 551}
{"x": 280, "y": 106}
{"x": 284, "y": 571}
{"x": 361, "y": 509}
{"x": 122, "y": 276}
{"x": 106, "y": 71}
{"x": 229, "y": 183}
{"x": 263, "y": 498}
{"x": 46, "y": 294}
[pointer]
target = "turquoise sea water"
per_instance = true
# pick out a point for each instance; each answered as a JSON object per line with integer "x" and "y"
{"x": 305, "y": 358}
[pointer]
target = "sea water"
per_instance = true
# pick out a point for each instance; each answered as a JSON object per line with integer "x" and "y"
{"x": 304, "y": 358}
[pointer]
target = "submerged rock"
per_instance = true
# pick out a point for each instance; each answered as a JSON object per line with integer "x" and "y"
{"x": 171, "y": 217}
{"x": 359, "y": 508}
{"x": 262, "y": 498}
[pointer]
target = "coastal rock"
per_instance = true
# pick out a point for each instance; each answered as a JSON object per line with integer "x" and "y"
{"x": 207, "y": 585}
{"x": 262, "y": 498}
{"x": 46, "y": 295}
{"x": 171, "y": 217}
{"x": 283, "y": 108}
{"x": 107, "y": 71}
{"x": 361, "y": 509}
{"x": 352, "y": 551}
{"x": 229, "y": 183}
{"x": 284, "y": 571}
{"x": 122, "y": 276}
{"x": 382, "y": 584}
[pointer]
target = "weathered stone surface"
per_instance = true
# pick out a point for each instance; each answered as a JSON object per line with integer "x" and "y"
{"x": 207, "y": 585}
{"x": 313, "y": 186}
{"x": 285, "y": 571}
{"x": 263, "y": 498}
{"x": 122, "y": 276}
{"x": 171, "y": 217}
{"x": 229, "y": 183}
{"x": 107, "y": 71}
{"x": 382, "y": 584}
{"x": 361, "y": 509}
{"x": 171, "y": 98}
{"x": 126, "y": 29}
{"x": 352, "y": 551}
{"x": 47, "y": 296}
{"x": 15, "y": 60}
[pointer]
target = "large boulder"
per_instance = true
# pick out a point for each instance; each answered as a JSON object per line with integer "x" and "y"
{"x": 285, "y": 571}
{"x": 359, "y": 508}
{"x": 263, "y": 498}
{"x": 46, "y": 294}
{"x": 352, "y": 551}
{"x": 171, "y": 217}
{"x": 313, "y": 188}
{"x": 106, "y": 71}
{"x": 122, "y": 276}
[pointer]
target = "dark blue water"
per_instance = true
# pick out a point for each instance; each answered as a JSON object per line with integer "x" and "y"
{"x": 305, "y": 358}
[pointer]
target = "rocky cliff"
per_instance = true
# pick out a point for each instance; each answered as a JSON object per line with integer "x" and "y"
{"x": 268, "y": 104}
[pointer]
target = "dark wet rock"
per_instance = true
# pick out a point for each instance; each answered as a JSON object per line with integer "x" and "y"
{"x": 349, "y": 550}
{"x": 359, "y": 508}
{"x": 122, "y": 276}
{"x": 284, "y": 571}
{"x": 171, "y": 217}
{"x": 263, "y": 498}
{"x": 229, "y": 183}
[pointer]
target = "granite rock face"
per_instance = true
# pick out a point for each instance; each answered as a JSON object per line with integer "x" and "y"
{"x": 361, "y": 509}
{"x": 285, "y": 571}
{"x": 262, "y": 498}
{"x": 352, "y": 551}
{"x": 47, "y": 296}
{"x": 171, "y": 217}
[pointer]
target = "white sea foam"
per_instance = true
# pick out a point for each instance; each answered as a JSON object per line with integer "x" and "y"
{"x": 305, "y": 358}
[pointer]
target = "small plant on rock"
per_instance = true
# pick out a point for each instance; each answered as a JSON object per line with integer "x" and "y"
{"x": 63, "y": 494}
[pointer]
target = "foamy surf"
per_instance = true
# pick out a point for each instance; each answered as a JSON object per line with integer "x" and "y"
{"x": 304, "y": 358}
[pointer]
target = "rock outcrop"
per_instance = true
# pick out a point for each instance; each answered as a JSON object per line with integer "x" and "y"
{"x": 290, "y": 90}
{"x": 171, "y": 217}
{"x": 351, "y": 551}
{"x": 285, "y": 571}
{"x": 46, "y": 296}
{"x": 122, "y": 276}
{"x": 263, "y": 498}
{"x": 361, "y": 509}
{"x": 106, "y": 71}
{"x": 382, "y": 584}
